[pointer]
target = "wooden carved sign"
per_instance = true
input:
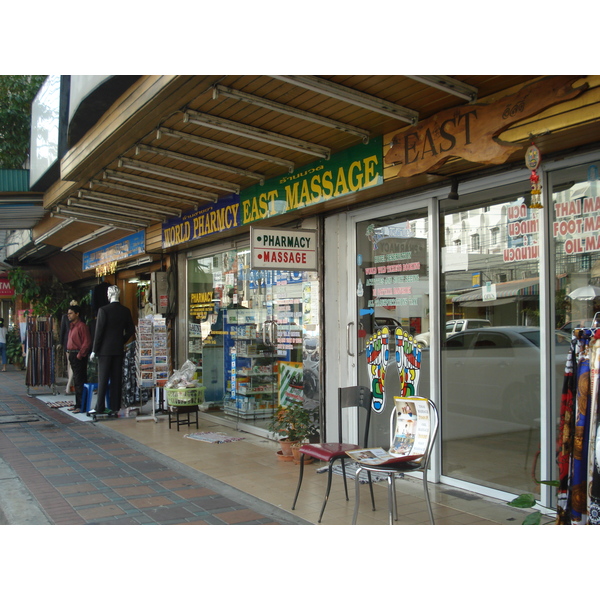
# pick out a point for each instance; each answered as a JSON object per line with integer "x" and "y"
{"x": 470, "y": 132}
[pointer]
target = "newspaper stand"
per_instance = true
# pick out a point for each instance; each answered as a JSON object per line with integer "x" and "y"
{"x": 183, "y": 405}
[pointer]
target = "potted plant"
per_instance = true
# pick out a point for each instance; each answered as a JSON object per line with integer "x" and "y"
{"x": 294, "y": 424}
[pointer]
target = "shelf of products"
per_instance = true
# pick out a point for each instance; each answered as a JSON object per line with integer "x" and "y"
{"x": 252, "y": 393}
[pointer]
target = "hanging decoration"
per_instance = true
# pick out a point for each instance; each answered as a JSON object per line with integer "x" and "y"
{"x": 533, "y": 158}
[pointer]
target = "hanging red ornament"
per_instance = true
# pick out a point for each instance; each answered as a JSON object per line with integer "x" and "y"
{"x": 533, "y": 158}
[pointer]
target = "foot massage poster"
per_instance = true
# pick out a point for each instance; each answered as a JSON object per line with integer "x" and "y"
{"x": 392, "y": 283}
{"x": 408, "y": 362}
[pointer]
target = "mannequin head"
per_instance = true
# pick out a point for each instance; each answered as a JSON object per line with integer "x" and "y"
{"x": 113, "y": 293}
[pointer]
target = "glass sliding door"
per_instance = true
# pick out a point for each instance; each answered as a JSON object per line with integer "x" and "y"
{"x": 392, "y": 308}
{"x": 491, "y": 355}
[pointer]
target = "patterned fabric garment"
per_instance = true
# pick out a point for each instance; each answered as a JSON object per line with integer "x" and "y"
{"x": 578, "y": 465}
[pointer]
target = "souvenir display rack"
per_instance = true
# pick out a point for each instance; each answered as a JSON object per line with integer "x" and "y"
{"x": 152, "y": 356}
{"x": 152, "y": 352}
{"x": 40, "y": 353}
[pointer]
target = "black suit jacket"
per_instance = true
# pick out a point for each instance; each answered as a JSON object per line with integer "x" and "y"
{"x": 114, "y": 327}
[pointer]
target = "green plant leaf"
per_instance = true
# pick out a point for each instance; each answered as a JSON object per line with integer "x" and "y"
{"x": 523, "y": 501}
{"x": 535, "y": 518}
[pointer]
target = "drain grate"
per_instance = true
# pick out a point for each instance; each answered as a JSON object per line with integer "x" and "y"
{"x": 6, "y": 419}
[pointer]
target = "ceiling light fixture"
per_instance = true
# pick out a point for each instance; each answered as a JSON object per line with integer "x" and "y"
{"x": 221, "y": 90}
{"x": 64, "y": 223}
{"x": 88, "y": 238}
{"x": 449, "y": 85}
{"x": 108, "y": 220}
{"x": 32, "y": 251}
{"x": 198, "y": 161}
{"x": 117, "y": 210}
{"x": 188, "y": 137}
{"x": 101, "y": 221}
{"x": 131, "y": 190}
{"x": 102, "y": 198}
{"x": 254, "y": 133}
{"x": 351, "y": 96}
{"x": 152, "y": 169}
{"x": 162, "y": 185}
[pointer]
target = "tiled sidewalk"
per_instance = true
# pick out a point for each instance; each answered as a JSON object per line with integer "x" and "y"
{"x": 80, "y": 473}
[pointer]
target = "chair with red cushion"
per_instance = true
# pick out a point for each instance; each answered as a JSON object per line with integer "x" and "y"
{"x": 350, "y": 397}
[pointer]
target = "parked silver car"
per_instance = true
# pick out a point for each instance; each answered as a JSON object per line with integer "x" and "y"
{"x": 495, "y": 371}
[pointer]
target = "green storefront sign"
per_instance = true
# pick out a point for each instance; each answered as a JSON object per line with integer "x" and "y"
{"x": 346, "y": 172}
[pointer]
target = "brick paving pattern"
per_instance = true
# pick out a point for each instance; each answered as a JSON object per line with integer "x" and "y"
{"x": 80, "y": 473}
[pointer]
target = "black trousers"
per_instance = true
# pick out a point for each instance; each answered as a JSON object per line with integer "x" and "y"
{"x": 79, "y": 367}
{"x": 110, "y": 368}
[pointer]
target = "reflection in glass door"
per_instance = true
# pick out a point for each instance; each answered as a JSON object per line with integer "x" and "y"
{"x": 491, "y": 341}
{"x": 392, "y": 291}
{"x": 253, "y": 336}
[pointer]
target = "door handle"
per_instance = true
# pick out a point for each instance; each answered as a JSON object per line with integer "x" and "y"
{"x": 348, "y": 327}
{"x": 273, "y": 332}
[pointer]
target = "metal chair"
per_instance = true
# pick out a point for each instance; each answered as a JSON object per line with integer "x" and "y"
{"x": 357, "y": 396}
{"x": 390, "y": 470}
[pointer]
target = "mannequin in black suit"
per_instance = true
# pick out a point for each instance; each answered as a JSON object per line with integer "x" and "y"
{"x": 114, "y": 327}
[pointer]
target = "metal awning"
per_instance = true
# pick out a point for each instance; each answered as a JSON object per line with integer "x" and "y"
{"x": 509, "y": 289}
{"x": 174, "y": 143}
{"x": 20, "y": 212}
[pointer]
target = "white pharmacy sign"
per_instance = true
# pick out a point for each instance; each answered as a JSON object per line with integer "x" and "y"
{"x": 283, "y": 249}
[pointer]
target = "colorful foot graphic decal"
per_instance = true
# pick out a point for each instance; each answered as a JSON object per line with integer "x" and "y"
{"x": 378, "y": 354}
{"x": 408, "y": 359}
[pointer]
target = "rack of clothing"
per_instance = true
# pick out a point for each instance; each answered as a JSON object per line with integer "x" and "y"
{"x": 578, "y": 452}
{"x": 40, "y": 353}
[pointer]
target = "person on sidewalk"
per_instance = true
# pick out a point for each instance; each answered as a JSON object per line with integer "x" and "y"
{"x": 114, "y": 327}
{"x": 79, "y": 344}
{"x": 3, "y": 343}
{"x": 64, "y": 338}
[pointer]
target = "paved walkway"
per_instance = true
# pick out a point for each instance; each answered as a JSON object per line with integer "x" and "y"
{"x": 55, "y": 469}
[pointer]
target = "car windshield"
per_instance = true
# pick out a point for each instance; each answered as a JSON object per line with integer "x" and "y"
{"x": 560, "y": 338}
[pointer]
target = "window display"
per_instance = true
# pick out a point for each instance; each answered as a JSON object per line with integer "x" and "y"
{"x": 253, "y": 335}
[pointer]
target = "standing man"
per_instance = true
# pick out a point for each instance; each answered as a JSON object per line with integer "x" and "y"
{"x": 79, "y": 343}
{"x": 114, "y": 327}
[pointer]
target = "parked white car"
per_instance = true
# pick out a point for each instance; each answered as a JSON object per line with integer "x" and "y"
{"x": 452, "y": 327}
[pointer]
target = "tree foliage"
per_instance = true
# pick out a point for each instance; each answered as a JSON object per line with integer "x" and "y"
{"x": 46, "y": 298}
{"x": 16, "y": 95}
